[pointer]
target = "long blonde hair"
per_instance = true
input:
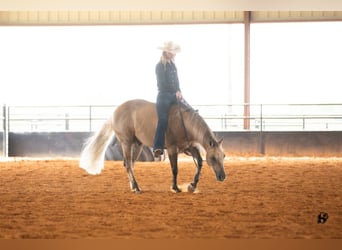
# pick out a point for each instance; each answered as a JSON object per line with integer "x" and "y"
{"x": 164, "y": 60}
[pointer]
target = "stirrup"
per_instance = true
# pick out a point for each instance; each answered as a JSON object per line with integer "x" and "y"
{"x": 158, "y": 152}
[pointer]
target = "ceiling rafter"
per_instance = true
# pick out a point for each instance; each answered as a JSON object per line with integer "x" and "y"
{"x": 158, "y": 17}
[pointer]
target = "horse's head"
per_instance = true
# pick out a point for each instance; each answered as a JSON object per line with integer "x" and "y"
{"x": 215, "y": 157}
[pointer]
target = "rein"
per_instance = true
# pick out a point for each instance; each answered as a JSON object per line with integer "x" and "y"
{"x": 185, "y": 131}
{"x": 182, "y": 120}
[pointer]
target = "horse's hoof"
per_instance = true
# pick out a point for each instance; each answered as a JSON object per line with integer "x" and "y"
{"x": 136, "y": 191}
{"x": 176, "y": 190}
{"x": 191, "y": 188}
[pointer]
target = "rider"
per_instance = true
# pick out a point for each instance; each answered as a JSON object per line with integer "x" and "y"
{"x": 169, "y": 92}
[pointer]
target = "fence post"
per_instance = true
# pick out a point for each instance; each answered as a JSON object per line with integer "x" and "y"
{"x": 67, "y": 121}
{"x": 261, "y": 134}
{"x": 5, "y": 129}
{"x": 90, "y": 120}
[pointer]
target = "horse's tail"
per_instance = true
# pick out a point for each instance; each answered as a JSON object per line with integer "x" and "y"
{"x": 93, "y": 154}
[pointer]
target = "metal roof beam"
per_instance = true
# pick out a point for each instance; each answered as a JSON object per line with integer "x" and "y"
{"x": 158, "y": 17}
{"x": 295, "y": 16}
{"x": 117, "y": 17}
{"x": 174, "y": 5}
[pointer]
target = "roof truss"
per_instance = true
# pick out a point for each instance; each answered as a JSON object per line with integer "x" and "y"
{"x": 147, "y": 17}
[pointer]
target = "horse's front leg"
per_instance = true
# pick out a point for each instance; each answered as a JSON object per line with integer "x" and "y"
{"x": 199, "y": 163}
{"x": 173, "y": 157}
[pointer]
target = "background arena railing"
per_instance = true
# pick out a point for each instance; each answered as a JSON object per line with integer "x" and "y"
{"x": 274, "y": 117}
{"x": 263, "y": 117}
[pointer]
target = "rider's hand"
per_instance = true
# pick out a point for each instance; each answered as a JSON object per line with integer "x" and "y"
{"x": 179, "y": 95}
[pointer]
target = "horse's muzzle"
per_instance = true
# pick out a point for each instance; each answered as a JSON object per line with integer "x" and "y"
{"x": 221, "y": 176}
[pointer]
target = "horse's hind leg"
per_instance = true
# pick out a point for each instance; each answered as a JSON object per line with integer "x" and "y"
{"x": 199, "y": 162}
{"x": 137, "y": 150}
{"x": 127, "y": 150}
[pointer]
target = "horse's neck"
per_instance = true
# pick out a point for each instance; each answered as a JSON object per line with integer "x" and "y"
{"x": 200, "y": 132}
{"x": 208, "y": 139}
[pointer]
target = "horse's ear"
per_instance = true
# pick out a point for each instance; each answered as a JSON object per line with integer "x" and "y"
{"x": 220, "y": 141}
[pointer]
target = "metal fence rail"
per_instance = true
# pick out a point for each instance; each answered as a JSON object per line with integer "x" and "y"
{"x": 57, "y": 118}
{"x": 266, "y": 117}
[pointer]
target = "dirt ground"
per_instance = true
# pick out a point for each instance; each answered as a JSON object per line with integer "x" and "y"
{"x": 262, "y": 197}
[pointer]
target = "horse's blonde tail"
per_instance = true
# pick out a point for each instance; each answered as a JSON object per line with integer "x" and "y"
{"x": 93, "y": 153}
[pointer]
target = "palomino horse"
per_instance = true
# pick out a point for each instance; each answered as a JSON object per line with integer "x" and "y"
{"x": 134, "y": 123}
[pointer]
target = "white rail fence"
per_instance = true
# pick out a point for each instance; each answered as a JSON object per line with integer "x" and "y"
{"x": 263, "y": 117}
{"x": 226, "y": 118}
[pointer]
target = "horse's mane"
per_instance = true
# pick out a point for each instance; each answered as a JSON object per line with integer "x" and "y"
{"x": 196, "y": 126}
{"x": 200, "y": 128}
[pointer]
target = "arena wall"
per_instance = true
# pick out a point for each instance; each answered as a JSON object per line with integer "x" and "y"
{"x": 1, "y": 144}
{"x": 325, "y": 144}
{"x": 69, "y": 144}
{"x": 46, "y": 144}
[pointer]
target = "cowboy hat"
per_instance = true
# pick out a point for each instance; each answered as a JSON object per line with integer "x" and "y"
{"x": 170, "y": 47}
